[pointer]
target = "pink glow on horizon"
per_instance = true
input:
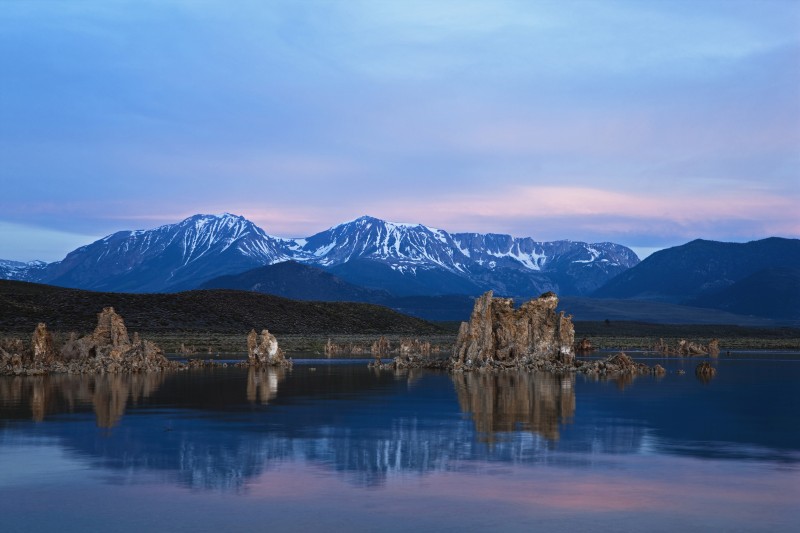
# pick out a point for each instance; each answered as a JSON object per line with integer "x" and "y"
{"x": 614, "y": 212}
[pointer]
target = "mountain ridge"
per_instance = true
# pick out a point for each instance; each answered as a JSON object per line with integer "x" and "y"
{"x": 415, "y": 258}
{"x": 704, "y": 267}
{"x": 759, "y": 278}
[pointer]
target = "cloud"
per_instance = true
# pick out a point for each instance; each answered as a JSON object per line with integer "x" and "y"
{"x": 564, "y": 212}
{"x": 644, "y": 123}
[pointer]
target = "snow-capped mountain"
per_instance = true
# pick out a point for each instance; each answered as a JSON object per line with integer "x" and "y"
{"x": 566, "y": 267}
{"x": 404, "y": 259}
{"x": 416, "y": 245}
{"x": 21, "y": 271}
{"x": 401, "y": 246}
{"x": 362, "y": 251}
{"x": 168, "y": 258}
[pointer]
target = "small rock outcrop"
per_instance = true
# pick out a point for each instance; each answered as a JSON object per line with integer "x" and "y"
{"x": 496, "y": 332}
{"x": 617, "y": 365}
{"x": 380, "y": 348}
{"x": 686, "y": 348}
{"x": 409, "y": 347}
{"x": 263, "y": 350}
{"x": 584, "y": 347}
{"x": 713, "y": 348}
{"x": 704, "y": 371}
{"x": 333, "y": 349}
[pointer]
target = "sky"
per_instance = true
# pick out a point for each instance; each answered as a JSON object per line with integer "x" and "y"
{"x": 648, "y": 124}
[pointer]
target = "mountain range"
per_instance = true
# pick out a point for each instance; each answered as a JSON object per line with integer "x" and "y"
{"x": 433, "y": 274}
{"x": 403, "y": 259}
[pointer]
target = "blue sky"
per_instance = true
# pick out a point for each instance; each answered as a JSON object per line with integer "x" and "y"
{"x": 643, "y": 123}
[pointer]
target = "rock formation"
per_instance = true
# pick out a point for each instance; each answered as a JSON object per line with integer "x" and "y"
{"x": 704, "y": 371}
{"x": 333, "y": 349}
{"x": 620, "y": 364}
{"x": 410, "y": 347}
{"x": 42, "y": 351}
{"x": 687, "y": 348}
{"x": 383, "y": 347}
{"x": 584, "y": 347}
{"x": 713, "y": 348}
{"x": 110, "y": 332}
{"x": 107, "y": 350}
{"x": 114, "y": 351}
{"x": 380, "y": 348}
{"x": 263, "y": 350}
{"x": 11, "y": 361}
{"x": 499, "y": 333}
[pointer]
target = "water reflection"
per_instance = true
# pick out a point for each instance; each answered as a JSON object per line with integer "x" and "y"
{"x": 221, "y": 429}
{"x": 513, "y": 401}
{"x": 262, "y": 384}
{"x": 107, "y": 394}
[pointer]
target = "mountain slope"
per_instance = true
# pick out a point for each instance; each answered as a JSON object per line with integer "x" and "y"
{"x": 412, "y": 280}
{"x": 571, "y": 267}
{"x": 169, "y": 258}
{"x": 298, "y": 282}
{"x": 700, "y": 266}
{"x": 652, "y": 312}
{"x": 400, "y": 245}
{"x": 425, "y": 260}
{"x": 771, "y": 292}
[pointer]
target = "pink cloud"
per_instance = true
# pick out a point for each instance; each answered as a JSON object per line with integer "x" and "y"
{"x": 611, "y": 211}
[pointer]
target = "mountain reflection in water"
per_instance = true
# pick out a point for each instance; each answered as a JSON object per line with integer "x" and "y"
{"x": 219, "y": 429}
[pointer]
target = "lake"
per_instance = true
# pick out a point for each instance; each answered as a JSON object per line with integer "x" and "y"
{"x": 334, "y": 446}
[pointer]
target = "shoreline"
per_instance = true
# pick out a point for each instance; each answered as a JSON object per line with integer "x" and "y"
{"x": 230, "y": 343}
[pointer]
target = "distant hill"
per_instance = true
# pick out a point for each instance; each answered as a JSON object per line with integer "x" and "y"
{"x": 405, "y": 282}
{"x": 304, "y": 282}
{"x": 697, "y": 271}
{"x": 447, "y": 308}
{"x": 23, "y": 305}
{"x": 772, "y": 292}
{"x": 297, "y": 281}
{"x": 600, "y": 309}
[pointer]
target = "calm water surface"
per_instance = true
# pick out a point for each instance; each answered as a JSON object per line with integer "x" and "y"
{"x": 335, "y": 446}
